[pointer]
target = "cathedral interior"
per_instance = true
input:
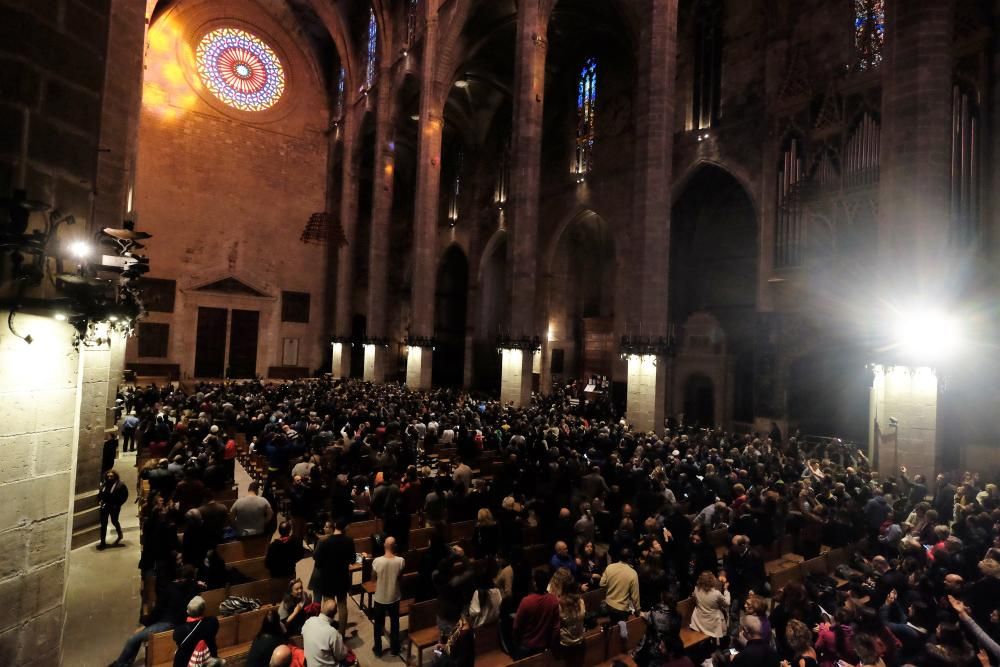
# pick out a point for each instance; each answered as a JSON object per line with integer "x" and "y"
{"x": 741, "y": 215}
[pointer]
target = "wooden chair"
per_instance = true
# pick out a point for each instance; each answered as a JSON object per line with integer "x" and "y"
{"x": 422, "y": 632}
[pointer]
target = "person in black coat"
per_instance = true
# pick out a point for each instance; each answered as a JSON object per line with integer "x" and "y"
{"x": 111, "y": 496}
{"x": 109, "y": 453}
{"x": 283, "y": 553}
{"x": 331, "y": 576}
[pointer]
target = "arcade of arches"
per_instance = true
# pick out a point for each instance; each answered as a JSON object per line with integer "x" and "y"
{"x": 712, "y": 211}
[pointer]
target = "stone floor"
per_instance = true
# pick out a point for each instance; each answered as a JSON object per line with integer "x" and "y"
{"x": 102, "y": 597}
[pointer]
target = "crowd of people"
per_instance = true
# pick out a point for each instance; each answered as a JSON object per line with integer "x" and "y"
{"x": 627, "y": 512}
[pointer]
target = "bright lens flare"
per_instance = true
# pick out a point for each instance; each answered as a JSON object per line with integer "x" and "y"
{"x": 79, "y": 249}
{"x": 927, "y": 336}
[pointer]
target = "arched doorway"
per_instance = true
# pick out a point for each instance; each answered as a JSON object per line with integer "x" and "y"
{"x": 699, "y": 401}
{"x": 581, "y": 299}
{"x": 450, "y": 300}
{"x": 494, "y": 313}
{"x": 828, "y": 392}
{"x": 713, "y": 268}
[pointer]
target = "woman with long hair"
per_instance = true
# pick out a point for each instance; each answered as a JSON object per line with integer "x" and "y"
{"x": 485, "y": 605}
{"x": 293, "y": 610}
{"x": 589, "y": 566}
{"x": 486, "y": 537}
{"x": 835, "y": 640}
{"x": 800, "y": 642}
{"x": 572, "y": 611}
{"x": 271, "y": 636}
{"x": 711, "y": 597}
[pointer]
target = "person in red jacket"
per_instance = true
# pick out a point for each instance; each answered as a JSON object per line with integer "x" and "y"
{"x": 537, "y": 619}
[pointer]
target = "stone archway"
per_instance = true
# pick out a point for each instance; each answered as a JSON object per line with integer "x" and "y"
{"x": 450, "y": 307}
{"x": 713, "y": 270}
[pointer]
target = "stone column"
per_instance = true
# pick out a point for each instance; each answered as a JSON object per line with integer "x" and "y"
{"x": 425, "y": 223}
{"x": 526, "y": 148}
{"x": 914, "y": 216}
{"x": 349, "y": 223}
{"x": 647, "y": 382}
{"x": 378, "y": 245}
{"x": 95, "y": 364}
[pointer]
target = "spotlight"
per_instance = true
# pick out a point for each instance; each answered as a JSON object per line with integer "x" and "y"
{"x": 80, "y": 249}
{"x": 113, "y": 318}
{"x": 926, "y": 336}
{"x": 462, "y": 83}
{"x": 61, "y": 317}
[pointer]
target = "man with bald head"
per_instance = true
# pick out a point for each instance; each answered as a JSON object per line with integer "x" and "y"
{"x": 386, "y": 570}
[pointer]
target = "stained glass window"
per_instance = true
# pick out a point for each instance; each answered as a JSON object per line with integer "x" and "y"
{"x": 869, "y": 33}
{"x": 411, "y": 23}
{"x": 586, "y": 100}
{"x": 371, "y": 62}
{"x": 339, "y": 107}
{"x": 456, "y": 189}
{"x": 240, "y": 69}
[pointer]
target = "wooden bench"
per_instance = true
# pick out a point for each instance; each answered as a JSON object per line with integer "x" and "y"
{"x": 689, "y": 636}
{"x": 488, "y": 651}
{"x": 463, "y": 530}
{"x": 618, "y": 647}
{"x": 236, "y": 634}
{"x": 422, "y": 632}
{"x": 252, "y": 568}
{"x": 243, "y": 548}
{"x": 783, "y": 577}
{"x": 361, "y": 529}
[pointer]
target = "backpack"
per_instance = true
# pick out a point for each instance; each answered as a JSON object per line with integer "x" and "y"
{"x": 235, "y": 604}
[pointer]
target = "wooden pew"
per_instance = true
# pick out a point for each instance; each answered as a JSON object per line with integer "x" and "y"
{"x": 619, "y": 647}
{"x": 253, "y": 568}
{"x": 422, "y": 632}
{"x": 243, "y": 548}
{"x": 236, "y": 634}
{"x": 690, "y": 637}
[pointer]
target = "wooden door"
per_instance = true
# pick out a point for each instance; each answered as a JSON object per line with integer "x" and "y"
{"x": 210, "y": 345}
{"x": 243, "y": 343}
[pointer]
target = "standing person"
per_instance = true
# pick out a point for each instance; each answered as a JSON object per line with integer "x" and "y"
{"x": 324, "y": 646}
{"x": 195, "y": 638}
{"x": 111, "y": 496}
{"x": 622, "y": 583}
{"x": 331, "y": 578}
{"x": 129, "y": 426}
{"x": 711, "y": 597}
{"x": 109, "y": 452}
{"x": 537, "y": 620}
{"x": 252, "y": 514}
{"x": 572, "y": 611}
{"x": 387, "y": 570}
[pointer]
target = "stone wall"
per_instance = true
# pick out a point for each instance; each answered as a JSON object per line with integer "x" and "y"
{"x": 232, "y": 190}
{"x": 52, "y": 72}
{"x": 39, "y": 405}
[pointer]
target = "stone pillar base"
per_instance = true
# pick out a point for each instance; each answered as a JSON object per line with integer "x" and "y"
{"x": 375, "y": 358}
{"x": 910, "y": 396}
{"x": 419, "y": 364}
{"x": 647, "y": 392}
{"x": 515, "y": 377}
{"x": 341, "y": 367}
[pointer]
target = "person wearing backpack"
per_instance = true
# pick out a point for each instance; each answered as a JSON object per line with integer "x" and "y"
{"x": 195, "y": 638}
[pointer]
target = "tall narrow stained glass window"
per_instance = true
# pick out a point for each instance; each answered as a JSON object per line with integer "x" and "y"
{"x": 240, "y": 69}
{"x": 411, "y": 22}
{"x": 371, "y": 60}
{"x": 586, "y": 101}
{"x": 965, "y": 167}
{"x": 340, "y": 101}
{"x": 456, "y": 189}
{"x": 869, "y": 33}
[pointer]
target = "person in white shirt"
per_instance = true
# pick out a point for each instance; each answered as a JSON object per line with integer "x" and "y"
{"x": 387, "y": 570}
{"x": 323, "y": 644}
{"x": 462, "y": 473}
{"x": 251, "y": 514}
